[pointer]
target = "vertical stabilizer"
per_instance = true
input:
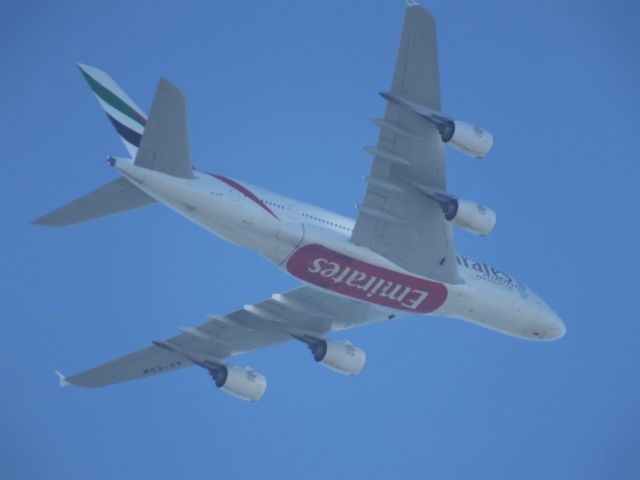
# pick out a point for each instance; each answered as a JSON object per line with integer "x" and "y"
{"x": 126, "y": 117}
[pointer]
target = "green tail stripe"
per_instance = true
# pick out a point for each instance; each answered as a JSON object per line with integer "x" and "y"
{"x": 113, "y": 100}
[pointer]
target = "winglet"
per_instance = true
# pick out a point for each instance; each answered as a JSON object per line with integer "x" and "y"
{"x": 62, "y": 379}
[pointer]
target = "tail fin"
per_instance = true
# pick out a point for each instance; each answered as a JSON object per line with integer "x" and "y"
{"x": 160, "y": 144}
{"x": 127, "y": 118}
{"x": 114, "y": 197}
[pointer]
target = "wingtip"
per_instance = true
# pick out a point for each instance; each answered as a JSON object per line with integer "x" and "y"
{"x": 84, "y": 66}
{"x": 46, "y": 221}
{"x": 415, "y": 6}
{"x": 88, "y": 70}
{"x": 62, "y": 379}
{"x": 40, "y": 222}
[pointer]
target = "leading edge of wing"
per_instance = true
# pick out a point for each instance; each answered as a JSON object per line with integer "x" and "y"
{"x": 302, "y": 311}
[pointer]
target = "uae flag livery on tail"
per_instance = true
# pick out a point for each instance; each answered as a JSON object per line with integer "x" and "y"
{"x": 127, "y": 118}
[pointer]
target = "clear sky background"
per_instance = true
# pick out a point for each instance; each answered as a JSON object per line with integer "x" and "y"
{"x": 279, "y": 94}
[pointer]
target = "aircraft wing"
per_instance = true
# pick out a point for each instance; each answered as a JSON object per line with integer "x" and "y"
{"x": 301, "y": 312}
{"x": 397, "y": 220}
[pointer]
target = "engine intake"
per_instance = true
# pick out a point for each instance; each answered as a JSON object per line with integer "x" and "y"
{"x": 470, "y": 216}
{"x": 466, "y": 138}
{"x": 341, "y": 357}
{"x": 243, "y": 383}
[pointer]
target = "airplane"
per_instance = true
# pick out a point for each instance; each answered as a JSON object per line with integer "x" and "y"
{"x": 396, "y": 259}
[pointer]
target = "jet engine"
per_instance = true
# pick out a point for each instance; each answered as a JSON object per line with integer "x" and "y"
{"x": 341, "y": 357}
{"x": 240, "y": 382}
{"x": 470, "y": 216}
{"x": 466, "y": 138}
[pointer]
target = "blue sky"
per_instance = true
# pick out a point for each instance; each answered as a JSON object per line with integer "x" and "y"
{"x": 279, "y": 94}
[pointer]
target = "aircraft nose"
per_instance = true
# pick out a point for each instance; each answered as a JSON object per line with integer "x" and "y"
{"x": 555, "y": 326}
{"x": 546, "y": 325}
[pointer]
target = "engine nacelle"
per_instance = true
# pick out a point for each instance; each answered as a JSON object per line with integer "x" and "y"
{"x": 470, "y": 216}
{"x": 240, "y": 382}
{"x": 466, "y": 138}
{"x": 340, "y": 357}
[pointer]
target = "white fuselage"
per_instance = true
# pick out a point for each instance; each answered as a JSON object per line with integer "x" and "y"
{"x": 314, "y": 246}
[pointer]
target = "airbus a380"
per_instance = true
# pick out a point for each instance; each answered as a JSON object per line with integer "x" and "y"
{"x": 396, "y": 259}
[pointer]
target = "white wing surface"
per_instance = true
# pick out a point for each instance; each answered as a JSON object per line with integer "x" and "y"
{"x": 300, "y": 312}
{"x": 396, "y": 219}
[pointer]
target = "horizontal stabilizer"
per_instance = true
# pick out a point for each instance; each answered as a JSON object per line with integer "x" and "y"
{"x": 114, "y": 197}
